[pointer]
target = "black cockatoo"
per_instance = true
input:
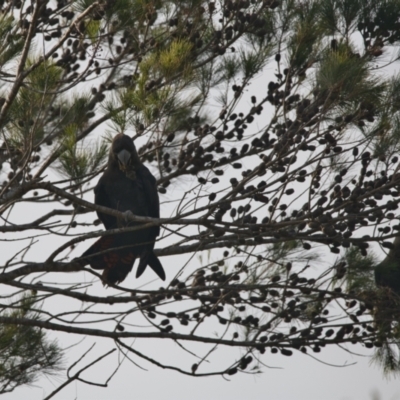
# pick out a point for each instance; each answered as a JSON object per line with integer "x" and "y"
{"x": 387, "y": 302}
{"x": 387, "y": 273}
{"x": 126, "y": 185}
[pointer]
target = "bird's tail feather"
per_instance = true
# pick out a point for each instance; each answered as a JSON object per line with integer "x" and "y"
{"x": 149, "y": 258}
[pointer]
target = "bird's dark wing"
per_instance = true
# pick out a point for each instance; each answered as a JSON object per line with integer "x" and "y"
{"x": 101, "y": 199}
{"x": 116, "y": 264}
{"x": 151, "y": 195}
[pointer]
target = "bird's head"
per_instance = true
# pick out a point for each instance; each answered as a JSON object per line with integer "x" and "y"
{"x": 123, "y": 153}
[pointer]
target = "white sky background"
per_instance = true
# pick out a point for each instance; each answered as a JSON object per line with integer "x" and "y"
{"x": 298, "y": 377}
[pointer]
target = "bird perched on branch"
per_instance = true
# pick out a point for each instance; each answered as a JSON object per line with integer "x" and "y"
{"x": 127, "y": 186}
{"x": 387, "y": 300}
{"x": 387, "y": 273}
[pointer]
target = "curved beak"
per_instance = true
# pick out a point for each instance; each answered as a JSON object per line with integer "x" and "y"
{"x": 123, "y": 159}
